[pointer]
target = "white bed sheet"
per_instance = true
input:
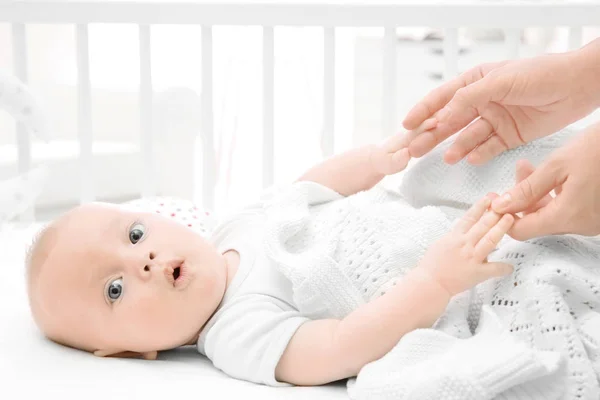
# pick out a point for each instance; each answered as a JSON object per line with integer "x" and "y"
{"x": 32, "y": 367}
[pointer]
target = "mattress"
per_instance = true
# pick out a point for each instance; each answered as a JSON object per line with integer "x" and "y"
{"x": 31, "y": 367}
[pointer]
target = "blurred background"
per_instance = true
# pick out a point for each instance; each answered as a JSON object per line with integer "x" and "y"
{"x": 237, "y": 69}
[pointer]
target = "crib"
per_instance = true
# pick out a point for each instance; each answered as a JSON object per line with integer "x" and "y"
{"x": 512, "y": 17}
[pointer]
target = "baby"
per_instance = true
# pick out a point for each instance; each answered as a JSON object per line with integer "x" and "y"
{"x": 113, "y": 281}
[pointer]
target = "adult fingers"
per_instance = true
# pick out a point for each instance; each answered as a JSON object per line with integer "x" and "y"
{"x": 545, "y": 221}
{"x": 460, "y": 111}
{"x": 431, "y": 103}
{"x": 532, "y": 189}
{"x": 439, "y": 97}
{"x": 471, "y": 137}
{"x": 485, "y": 152}
{"x": 524, "y": 168}
{"x": 473, "y": 215}
{"x": 490, "y": 239}
{"x": 398, "y": 141}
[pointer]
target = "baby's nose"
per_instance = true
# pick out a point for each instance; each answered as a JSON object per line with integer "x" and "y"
{"x": 148, "y": 265}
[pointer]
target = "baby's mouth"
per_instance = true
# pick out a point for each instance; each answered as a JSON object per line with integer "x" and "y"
{"x": 176, "y": 273}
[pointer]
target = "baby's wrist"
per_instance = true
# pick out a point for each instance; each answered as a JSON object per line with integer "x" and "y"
{"x": 432, "y": 279}
{"x": 374, "y": 151}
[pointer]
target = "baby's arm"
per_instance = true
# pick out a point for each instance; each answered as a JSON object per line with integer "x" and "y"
{"x": 346, "y": 173}
{"x": 328, "y": 350}
{"x": 363, "y": 167}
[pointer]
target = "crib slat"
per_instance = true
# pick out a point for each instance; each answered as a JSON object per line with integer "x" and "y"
{"x": 268, "y": 106}
{"x": 19, "y": 44}
{"x": 575, "y": 37}
{"x": 84, "y": 120}
{"x": 208, "y": 147}
{"x": 450, "y": 53}
{"x": 389, "y": 82}
{"x": 512, "y": 41}
{"x": 327, "y": 139}
{"x": 148, "y": 171}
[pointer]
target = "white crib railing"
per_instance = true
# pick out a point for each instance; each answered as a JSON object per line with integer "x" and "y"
{"x": 328, "y": 14}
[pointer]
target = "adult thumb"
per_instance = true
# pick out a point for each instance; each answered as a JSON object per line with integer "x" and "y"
{"x": 543, "y": 222}
{"x": 529, "y": 191}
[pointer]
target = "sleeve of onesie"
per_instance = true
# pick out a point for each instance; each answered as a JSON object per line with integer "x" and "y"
{"x": 247, "y": 341}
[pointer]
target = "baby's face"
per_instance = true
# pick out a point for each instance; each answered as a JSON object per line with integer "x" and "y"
{"x": 118, "y": 280}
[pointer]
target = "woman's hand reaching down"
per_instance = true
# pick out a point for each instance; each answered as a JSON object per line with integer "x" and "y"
{"x": 458, "y": 261}
{"x": 506, "y": 104}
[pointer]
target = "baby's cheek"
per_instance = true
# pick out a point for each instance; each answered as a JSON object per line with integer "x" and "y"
{"x": 146, "y": 307}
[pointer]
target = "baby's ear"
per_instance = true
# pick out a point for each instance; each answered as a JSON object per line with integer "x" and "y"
{"x": 148, "y": 355}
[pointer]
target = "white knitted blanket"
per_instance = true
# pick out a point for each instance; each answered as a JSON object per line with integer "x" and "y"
{"x": 532, "y": 335}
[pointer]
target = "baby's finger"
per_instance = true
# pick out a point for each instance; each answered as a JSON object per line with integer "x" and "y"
{"x": 402, "y": 140}
{"x": 394, "y": 142}
{"x": 482, "y": 227}
{"x": 472, "y": 215}
{"x": 491, "y": 239}
{"x": 427, "y": 125}
{"x": 399, "y": 161}
{"x": 492, "y": 195}
{"x": 495, "y": 269}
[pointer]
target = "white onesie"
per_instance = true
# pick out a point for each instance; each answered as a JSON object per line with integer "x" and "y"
{"x": 260, "y": 312}
{"x": 256, "y": 319}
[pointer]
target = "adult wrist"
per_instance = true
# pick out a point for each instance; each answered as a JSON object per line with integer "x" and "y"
{"x": 586, "y": 62}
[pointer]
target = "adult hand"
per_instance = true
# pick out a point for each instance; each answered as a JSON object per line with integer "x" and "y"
{"x": 573, "y": 172}
{"x": 504, "y": 105}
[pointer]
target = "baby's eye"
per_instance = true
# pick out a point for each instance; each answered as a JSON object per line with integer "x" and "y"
{"x": 115, "y": 290}
{"x": 136, "y": 233}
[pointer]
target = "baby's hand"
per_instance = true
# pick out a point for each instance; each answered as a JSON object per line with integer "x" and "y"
{"x": 458, "y": 261}
{"x": 391, "y": 156}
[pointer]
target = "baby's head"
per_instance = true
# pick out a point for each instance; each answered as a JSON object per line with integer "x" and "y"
{"x": 112, "y": 281}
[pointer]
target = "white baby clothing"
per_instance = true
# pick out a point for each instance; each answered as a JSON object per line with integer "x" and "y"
{"x": 341, "y": 252}
{"x": 252, "y": 326}
{"x": 261, "y": 310}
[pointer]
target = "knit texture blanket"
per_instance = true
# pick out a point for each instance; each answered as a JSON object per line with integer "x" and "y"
{"x": 531, "y": 335}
